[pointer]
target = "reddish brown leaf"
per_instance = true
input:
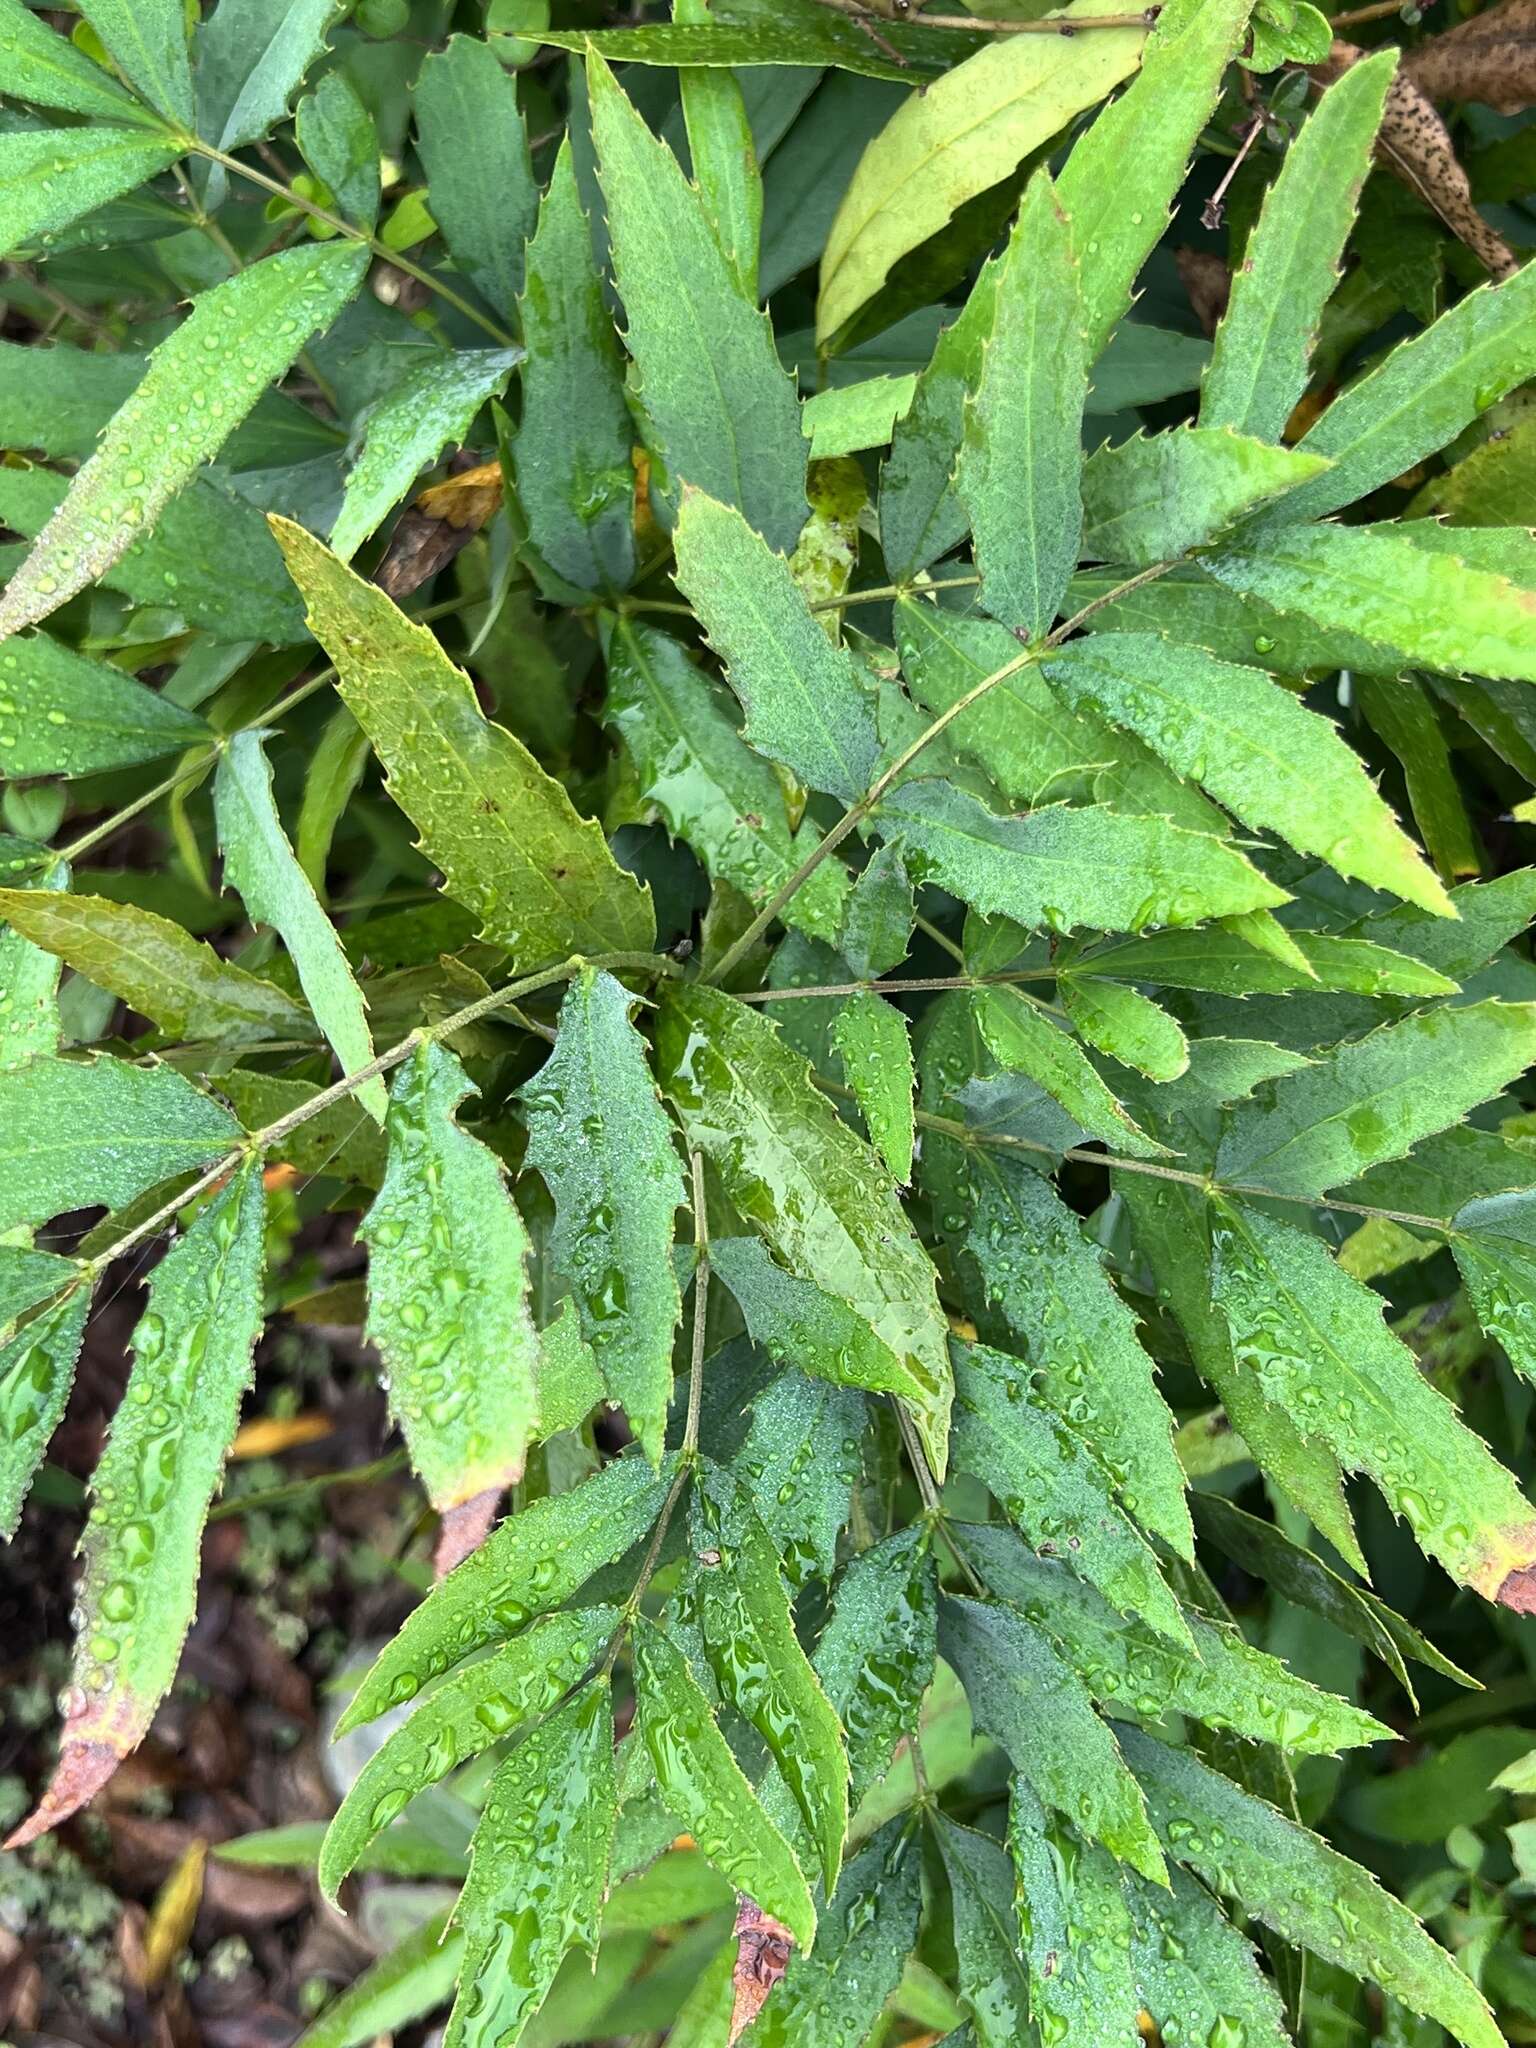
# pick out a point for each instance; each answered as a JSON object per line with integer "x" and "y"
{"x": 763, "y": 1948}
{"x": 1490, "y": 58}
{"x": 464, "y": 1528}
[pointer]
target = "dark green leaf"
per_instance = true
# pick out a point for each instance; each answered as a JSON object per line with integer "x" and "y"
{"x": 51, "y": 176}
{"x": 37, "y": 1368}
{"x": 38, "y": 64}
{"x": 1151, "y": 499}
{"x": 993, "y": 1977}
{"x": 480, "y": 183}
{"x": 876, "y": 1050}
{"x": 75, "y": 716}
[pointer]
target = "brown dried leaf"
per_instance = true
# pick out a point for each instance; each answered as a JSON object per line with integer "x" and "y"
{"x": 445, "y": 518}
{"x": 763, "y": 1949}
{"x": 1415, "y": 145}
{"x": 1490, "y": 58}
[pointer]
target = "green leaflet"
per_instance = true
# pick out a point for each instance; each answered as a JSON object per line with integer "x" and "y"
{"x": 514, "y": 849}
{"x": 802, "y": 1178}
{"x": 38, "y": 64}
{"x": 982, "y": 119}
{"x": 1227, "y": 962}
{"x": 51, "y": 176}
{"x": 1122, "y": 176}
{"x": 603, "y": 1144}
{"x": 1171, "y": 1225}
{"x": 200, "y": 383}
{"x": 147, "y": 39}
{"x": 408, "y": 429}
{"x": 336, "y": 133}
{"x": 538, "y": 1871}
{"x": 479, "y": 1705}
{"x": 1054, "y": 1487}
{"x": 1262, "y": 350}
{"x": 575, "y": 478}
{"x": 1031, "y": 745}
{"x": 260, "y": 864}
{"x": 1126, "y": 1025}
{"x": 336, "y": 767}
{"x": 37, "y": 1367}
{"x": 799, "y": 1323}
{"x": 1025, "y": 1697}
{"x": 872, "y": 1038}
{"x": 1488, "y": 916}
{"x": 570, "y": 1385}
{"x": 848, "y": 417}
{"x": 77, "y": 1132}
{"x": 1194, "y": 1969}
{"x": 1374, "y": 1098}
{"x": 805, "y": 702}
{"x": 1421, "y": 396}
{"x": 992, "y": 1974}
{"x": 251, "y": 62}
{"x": 1403, "y": 713}
{"x": 154, "y": 1480}
{"x": 415, "y": 1977}
{"x": 209, "y": 551}
{"x": 480, "y": 183}
{"x": 878, "y": 923}
{"x": 1062, "y": 867}
{"x": 721, "y": 151}
{"x": 796, "y": 35}
{"x": 711, "y": 789}
{"x": 28, "y": 1277}
{"x": 832, "y": 1999}
{"x": 75, "y": 716}
{"x": 1021, "y": 456}
{"x": 1154, "y": 497}
{"x": 1317, "y": 1342}
{"x": 156, "y": 966}
{"x": 30, "y": 1024}
{"x": 1022, "y": 1038}
{"x": 1076, "y": 1931}
{"x": 750, "y": 1641}
{"x": 1224, "y": 1681}
{"x": 1272, "y": 763}
{"x": 530, "y": 1564}
{"x": 800, "y": 1465}
{"x": 702, "y": 1786}
{"x": 1296, "y": 1884}
{"x": 723, "y": 414}
{"x": 1374, "y": 581}
{"x": 342, "y": 1140}
{"x": 447, "y": 1291}
{"x": 1264, "y": 1550}
{"x": 875, "y": 1657}
{"x": 1495, "y": 1245}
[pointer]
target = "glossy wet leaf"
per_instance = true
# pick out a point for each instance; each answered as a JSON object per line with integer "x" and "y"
{"x": 1126, "y": 1025}
{"x": 538, "y": 1870}
{"x": 483, "y": 196}
{"x": 712, "y": 790}
{"x": 872, "y": 1038}
{"x": 749, "y": 1638}
{"x": 484, "y": 1703}
{"x": 575, "y": 479}
{"x": 1316, "y": 1340}
{"x": 200, "y": 383}
{"x": 1155, "y": 497}
{"x": 1275, "y": 765}
{"x": 1020, "y": 472}
{"x": 1374, "y": 1098}
{"x": 1192, "y": 1968}
{"x": 79, "y": 1132}
{"x": 156, "y": 966}
{"x": 156, "y": 1476}
{"x": 812, "y": 1189}
{"x": 54, "y": 175}
{"x": 799, "y": 1466}
{"x": 261, "y": 865}
{"x": 602, "y": 1141}
{"x": 1062, "y": 867}
{"x": 1023, "y": 1039}
{"x": 1054, "y": 1488}
{"x": 1030, "y": 1266}
{"x": 993, "y": 1973}
{"x": 530, "y": 1564}
{"x": 250, "y": 63}
{"x": 340, "y": 143}
{"x": 147, "y": 39}
{"x": 722, "y": 414}
{"x": 878, "y": 922}
{"x": 702, "y": 1786}
{"x": 509, "y": 840}
{"x": 1076, "y": 1930}
{"x": 1262, "y": 350}
{"x": 805, "y": 702}
{"x": 1025, "y": 1696}
{"x": 1224, "y": 1681}
{"x": 1303, "y": 1889}
{"x": 1495, "y": 1247}
{"x": 875, "y": 1657}
{"x": 40, "y": 65}
{"x": 37, "y": 1368}
{"x": 984, "y": 118}
{"x": 63, "y": 714}
{"x": 1228, "y": 962}
{"x": 428, "y": 411}
{"x": 799, "y": 1323}
{"x": 448, "y": 1291}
